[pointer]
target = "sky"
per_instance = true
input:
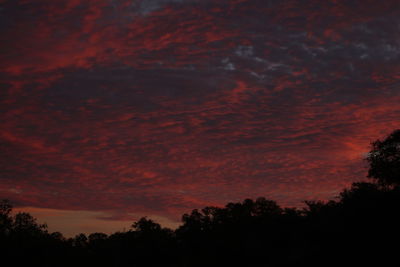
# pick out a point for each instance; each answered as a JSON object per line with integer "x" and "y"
{"x": 112, "y": 110}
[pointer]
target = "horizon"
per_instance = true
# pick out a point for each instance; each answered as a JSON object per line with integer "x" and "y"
{"x": 81, "y": 219}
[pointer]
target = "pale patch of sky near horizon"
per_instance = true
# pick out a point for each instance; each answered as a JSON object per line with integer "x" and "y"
{"x": 73, "y": 222}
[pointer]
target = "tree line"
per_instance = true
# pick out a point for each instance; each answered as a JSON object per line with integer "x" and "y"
{"x": 361, "y": 227}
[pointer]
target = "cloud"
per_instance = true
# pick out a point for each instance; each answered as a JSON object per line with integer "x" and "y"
{"x": 159, "y": 107}
{"x": 147, "y": 6}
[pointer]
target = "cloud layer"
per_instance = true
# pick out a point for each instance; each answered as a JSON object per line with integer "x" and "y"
{"x": 161, "y": 106}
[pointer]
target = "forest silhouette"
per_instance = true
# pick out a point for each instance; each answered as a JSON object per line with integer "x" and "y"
{"x": 361, "y": 227}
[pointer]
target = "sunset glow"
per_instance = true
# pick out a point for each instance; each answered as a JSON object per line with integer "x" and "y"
{"x": 116, "y": 109}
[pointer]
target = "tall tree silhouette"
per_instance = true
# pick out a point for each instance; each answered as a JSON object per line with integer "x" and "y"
{"x": 384, "y": 160}
{"x": 6, "y": 220}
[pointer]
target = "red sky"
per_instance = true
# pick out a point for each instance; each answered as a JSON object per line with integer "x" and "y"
{"x": 115, "y": 109}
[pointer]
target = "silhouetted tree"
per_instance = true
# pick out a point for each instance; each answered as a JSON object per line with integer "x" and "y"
{"x": 384, "y": 160}
{"x": 26, "y": 223}
{"x": 94, "y": 237}
{"x": 57, "y": 236}
{"x": 145, "y": 225}
{"x": 80, "y": 240}
{"x": 147, "y": 244}
{"x": 6, "y": 220}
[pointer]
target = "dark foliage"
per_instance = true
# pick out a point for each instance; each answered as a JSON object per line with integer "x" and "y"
{"x": 384, "y": 160}
{"x": 359, "y": 228}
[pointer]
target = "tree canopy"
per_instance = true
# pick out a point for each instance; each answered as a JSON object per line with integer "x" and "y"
{"x": 384, "y": 160}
